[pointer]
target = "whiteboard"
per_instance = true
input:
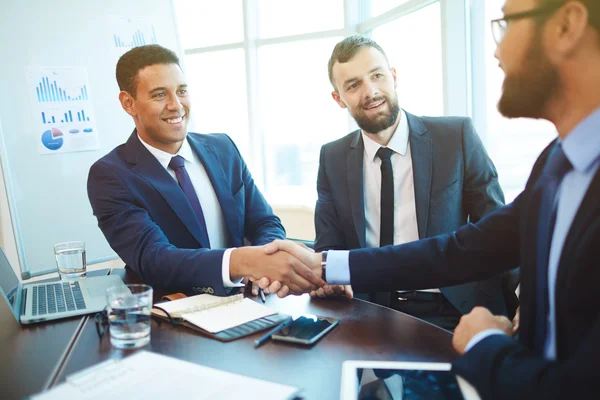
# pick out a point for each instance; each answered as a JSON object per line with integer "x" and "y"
{"x": 47, "y": 193}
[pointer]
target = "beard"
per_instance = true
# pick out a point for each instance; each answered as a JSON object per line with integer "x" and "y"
{"x": 382, "y": 120}
{"x": 526, "y": 93}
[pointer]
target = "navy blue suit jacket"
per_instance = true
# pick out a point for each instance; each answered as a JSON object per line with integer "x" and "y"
{"x": 149, "y": 222}
{"x": 498, "y": 366}
{"x": 455, "y": 181}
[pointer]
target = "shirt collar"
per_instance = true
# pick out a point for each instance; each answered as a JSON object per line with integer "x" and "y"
{"x": 582, "y": 145}
{"x": 164, "y": 158}
{"x": 398, "y": 143}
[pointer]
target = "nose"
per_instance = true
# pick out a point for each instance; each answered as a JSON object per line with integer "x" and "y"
{"x": 371, "y": 90}
{"x": 174, "y": 103}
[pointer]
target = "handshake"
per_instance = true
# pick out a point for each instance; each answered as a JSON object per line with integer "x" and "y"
{"x": 283, "y": 267}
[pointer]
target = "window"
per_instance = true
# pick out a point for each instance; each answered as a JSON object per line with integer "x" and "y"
{"x": 418, "y": 63}
{"x": 284, "y": 18}
{"x": 258, "y": 71}
{"x": 217, "y": 83}
{"x": 513, "y": 144}
{"x": 298, "y": 116}
{"x": 209, "y": 23}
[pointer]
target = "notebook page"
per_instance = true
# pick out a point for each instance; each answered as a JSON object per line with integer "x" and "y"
{"x": 228, "y": 316}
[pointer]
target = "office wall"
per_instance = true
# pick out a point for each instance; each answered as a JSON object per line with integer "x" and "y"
{"x": 47, "y": 192}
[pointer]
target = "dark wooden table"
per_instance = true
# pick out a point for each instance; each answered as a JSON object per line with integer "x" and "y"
{"x": 31, "y": 354}
{"x": 366, "y": 332}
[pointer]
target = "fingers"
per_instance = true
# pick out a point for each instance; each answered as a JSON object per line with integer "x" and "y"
{"x": 262, "y": 283}
{"x": 305, "y": 272}
{"x": 274, "y": 287}
{"x": 284, "y": 291}
{"x": 348, "y": 292}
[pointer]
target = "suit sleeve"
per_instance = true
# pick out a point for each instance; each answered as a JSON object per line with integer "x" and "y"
{"x": 329, "y": 234}
{"x": 141, "y": 243}
{"x": 473, "y": 252}
{"x": 500, "y": 367}
{"x": 261, "y": 225}
{"x": 481, "y": 190}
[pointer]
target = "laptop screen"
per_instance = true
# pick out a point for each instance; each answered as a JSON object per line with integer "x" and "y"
{"x": 10, "y": 285}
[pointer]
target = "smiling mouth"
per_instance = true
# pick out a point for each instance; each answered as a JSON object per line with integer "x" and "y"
{"x": 175, "y": 120}
{"x": 373, "y": 106}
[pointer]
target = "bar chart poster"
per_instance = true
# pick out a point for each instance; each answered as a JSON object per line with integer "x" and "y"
{"x": 129, "y": 32}
{"x": 62, "y": 108}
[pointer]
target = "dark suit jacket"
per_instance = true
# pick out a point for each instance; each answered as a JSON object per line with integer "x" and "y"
{"x": 455, "y": 181}
{"x": 149, "y": 222}
{"x": 498, "y": 366}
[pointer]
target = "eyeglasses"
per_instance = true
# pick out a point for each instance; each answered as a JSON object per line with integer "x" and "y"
{"x": 500, "y": 25}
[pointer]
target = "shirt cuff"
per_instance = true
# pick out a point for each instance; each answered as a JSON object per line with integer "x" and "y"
{"x": 482, "y": 335}
{"x": 225, "y": 271}
{"x": 338, "y": 267}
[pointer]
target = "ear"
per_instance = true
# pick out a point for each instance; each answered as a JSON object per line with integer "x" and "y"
{"x": 338, "y": 99}
{"x": 128, "y": 103}
{"x": 568, "y": 28}
{"x": 394, "y": 75}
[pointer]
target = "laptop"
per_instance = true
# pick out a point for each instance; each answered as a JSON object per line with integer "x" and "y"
{"x": 37, "y": 302}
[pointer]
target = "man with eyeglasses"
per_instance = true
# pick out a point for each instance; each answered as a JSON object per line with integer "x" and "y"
{"x": 550, "y": 53}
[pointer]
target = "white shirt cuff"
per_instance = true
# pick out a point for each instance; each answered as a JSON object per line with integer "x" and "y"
{"x": 225, "y": 271}
{"x": 482, "y": 335}
{"x": 338, "y": 267}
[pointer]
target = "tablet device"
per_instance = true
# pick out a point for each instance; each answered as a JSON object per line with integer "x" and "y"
{"x": 306, "y": 329}
{"x": 374, "y": 380}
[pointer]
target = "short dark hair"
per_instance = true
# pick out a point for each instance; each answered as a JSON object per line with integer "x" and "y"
{"x": 345, "y": 50}
{"x": 139, "y": 58}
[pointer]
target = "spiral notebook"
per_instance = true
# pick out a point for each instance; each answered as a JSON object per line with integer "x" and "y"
{"x": 223, "y": 318}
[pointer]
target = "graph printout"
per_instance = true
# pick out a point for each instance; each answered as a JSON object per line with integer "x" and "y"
{"x": 62, "y": 109}
{"x": 129, "y": 32}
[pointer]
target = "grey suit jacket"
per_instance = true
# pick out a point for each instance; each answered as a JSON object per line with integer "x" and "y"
{"x": 455, "y": 182}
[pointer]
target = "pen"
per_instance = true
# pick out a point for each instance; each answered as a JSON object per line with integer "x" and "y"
{"x": 262, "y": 295}
{"x": 264, "y": 338}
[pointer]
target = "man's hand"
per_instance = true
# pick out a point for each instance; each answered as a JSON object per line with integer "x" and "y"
{"x": 516, "y": 321}
{"x": 264, "y": 266}
{"x": 333, "y": 290}
{"x": 478, "y": 320}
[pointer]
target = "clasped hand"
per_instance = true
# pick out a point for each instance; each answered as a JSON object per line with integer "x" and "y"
{"x": 306, "y": 265}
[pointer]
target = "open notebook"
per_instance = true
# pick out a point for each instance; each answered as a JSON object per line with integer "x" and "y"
{"x": 224, "y": 318}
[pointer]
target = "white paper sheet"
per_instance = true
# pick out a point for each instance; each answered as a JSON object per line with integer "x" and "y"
{"x": 146, "y": 375}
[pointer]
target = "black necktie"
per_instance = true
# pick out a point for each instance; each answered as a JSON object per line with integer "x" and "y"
{"x": 386, "y": 230}
{"x": 555, "y": 169}
{"x": 178, "y": 165}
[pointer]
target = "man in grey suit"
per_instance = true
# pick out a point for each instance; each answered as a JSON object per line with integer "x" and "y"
{"x": 401, "y": 178}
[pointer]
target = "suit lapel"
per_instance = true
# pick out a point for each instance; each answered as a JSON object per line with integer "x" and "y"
{"x": 422, "y": 159}
{"x": 148, "y": 167}
{"x": 213, "y": 166}
{"x": 354, "y": 167}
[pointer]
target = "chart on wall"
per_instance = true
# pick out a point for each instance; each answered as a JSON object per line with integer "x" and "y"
{"x": 62, "y": 109}
{"x": 129, "y": 32}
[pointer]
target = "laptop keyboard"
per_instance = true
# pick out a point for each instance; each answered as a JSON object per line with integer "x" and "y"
{"x": 57, "y": 297}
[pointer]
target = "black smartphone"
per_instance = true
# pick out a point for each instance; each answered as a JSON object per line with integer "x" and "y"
{"x": 307, "y": 329}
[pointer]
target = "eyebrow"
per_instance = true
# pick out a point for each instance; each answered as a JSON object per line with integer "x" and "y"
{"x": 158, "y": 89}
{"x": 355, "y": 79}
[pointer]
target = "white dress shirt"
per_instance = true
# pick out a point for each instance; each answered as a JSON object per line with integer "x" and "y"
{"x": 213, "y": 215}
{"x": 405, "y": 212}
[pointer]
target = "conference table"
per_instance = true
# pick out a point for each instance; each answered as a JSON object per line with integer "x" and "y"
{"x": 366, "y": 332}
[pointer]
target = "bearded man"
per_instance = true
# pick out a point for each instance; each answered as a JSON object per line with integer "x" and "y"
{"x": 400, "y": 178}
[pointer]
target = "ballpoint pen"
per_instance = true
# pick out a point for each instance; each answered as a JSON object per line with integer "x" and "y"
{"x": 264, "y": 338}
{"x": 262, "y": 295}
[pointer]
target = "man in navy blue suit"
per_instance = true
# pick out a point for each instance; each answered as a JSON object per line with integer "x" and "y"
{"x": 177, "y": 206}
{"x": 550, "y": 53}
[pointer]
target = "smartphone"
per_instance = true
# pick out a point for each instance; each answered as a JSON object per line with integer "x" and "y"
{"x": 306, "y": 330}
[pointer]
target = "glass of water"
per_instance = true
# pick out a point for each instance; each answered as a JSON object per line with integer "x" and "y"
{"x": 70, "y": 259}
{"x": 128, "y": 313}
